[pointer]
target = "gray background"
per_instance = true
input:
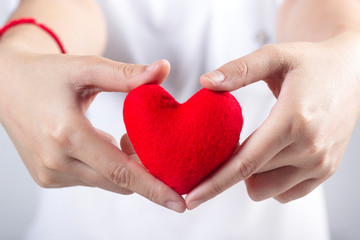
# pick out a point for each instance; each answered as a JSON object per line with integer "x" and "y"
{"x": 18, "y": 193}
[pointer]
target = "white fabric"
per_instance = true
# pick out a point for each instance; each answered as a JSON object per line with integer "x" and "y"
{"x": 196, "y": 37}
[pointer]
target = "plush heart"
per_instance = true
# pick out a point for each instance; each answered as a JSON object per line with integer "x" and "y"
{"x": 181, "y": 144}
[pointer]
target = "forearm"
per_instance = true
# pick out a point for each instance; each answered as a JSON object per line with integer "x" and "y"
{"x": 316, "y": 20}
{"x": 78, "y": 23}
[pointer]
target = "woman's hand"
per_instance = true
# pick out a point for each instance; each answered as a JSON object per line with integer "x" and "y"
{"x": 43, "y": 100}
{"x": 301, "y": 143}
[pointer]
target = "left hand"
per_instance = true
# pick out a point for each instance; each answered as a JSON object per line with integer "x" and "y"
{"x": 301, "y": 143}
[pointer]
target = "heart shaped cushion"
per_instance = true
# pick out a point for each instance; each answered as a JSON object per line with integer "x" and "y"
{"x": 181, "y": 144}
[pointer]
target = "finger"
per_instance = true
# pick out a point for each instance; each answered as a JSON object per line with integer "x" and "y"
{"x": 259, "y": 65}
{"x": 74, "y": 173}
{"x": 126, "y": 145}
{"x": 284, "y": 158}
{"x": 272, "y": 183}
{"x": 89, "y": 177}
{"x": 289, "y": 156}
{"x": 53, "y": 172}
{"x": 103, "y": 74}
{"x": 136, "y": 158}
{"x": 107, "y": 137}
{"x": 299, "y": 191}
{"x": 295, "y": 155}
{"x": 49, "y": 178}
{"x": 128, "y": 148}
{"x": 267, "y": 141}
{"x": 116, "y": 166}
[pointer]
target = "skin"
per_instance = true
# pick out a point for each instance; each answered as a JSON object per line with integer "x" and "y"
{"x": 44, "y": 96}
{"x": 315, "y": 75}
{"x": 313, "y": 72}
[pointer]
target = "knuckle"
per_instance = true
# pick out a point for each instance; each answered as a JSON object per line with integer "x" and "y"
{"x": 331, "y": 170}
{"x": 255, "y": 195}
{"x": 298, "y": 191}
{"x": 46, "y": 180}
{"x": 299, "y": 125}
{"x": 314, "y": 148}
{"x": 292, "y": 195}
{"x": 64, "y": 137}
{"x": 121, "y": 176}
{"x": 95, "y": 179}
{"x": 51, "y": 163}
{"x": 255, "y": 191}
{"x": 127, "y": 70}
{"x": 326, "y": 167}
{"x": 279, "y": 52}
{"x": 245, "y": 169}
{"x": 159, "y": 190}
{"x": 217, "y": 187}
{"x": 240, "y": 67}
{"x": 306, "y": 134}
{"x": 283, "y": 199}
{"x": 301, "y": 121}
{"x": 150, "y": 194}
{"x": 155, "y": 191}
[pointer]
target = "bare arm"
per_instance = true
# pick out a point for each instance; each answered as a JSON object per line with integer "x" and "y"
{"x": 79, "y": 24}
{"x": 316, "y": 20}
{"x": 44, "y": 96}
{"x": 315, "y": 75}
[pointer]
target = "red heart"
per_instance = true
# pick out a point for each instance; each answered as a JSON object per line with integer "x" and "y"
{"x": 181, "y": 144}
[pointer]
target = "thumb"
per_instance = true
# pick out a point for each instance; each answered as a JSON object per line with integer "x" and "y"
{"x": 259, "y": 65}
{"x": 106, "y": 75}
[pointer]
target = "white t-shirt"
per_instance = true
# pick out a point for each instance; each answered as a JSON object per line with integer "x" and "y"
{"x": 196, "y": 37}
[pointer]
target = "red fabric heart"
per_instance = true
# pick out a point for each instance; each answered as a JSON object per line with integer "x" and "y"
{"x": 181, "y": 144}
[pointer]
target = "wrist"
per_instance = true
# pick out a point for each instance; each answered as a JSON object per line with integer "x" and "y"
{"x": 351, "y": 41}
{"x": 17, "y": 44}
{"x": 28, "y": 38}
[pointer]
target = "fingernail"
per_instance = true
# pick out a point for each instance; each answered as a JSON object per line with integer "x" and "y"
{"x": 152, "y": 66}
{"x": 194, "y": 204}
{"x": 215, "y": 77}
{"x": 176, "y": 206}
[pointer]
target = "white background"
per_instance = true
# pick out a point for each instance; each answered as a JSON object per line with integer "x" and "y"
{"x": 18, "y": 199}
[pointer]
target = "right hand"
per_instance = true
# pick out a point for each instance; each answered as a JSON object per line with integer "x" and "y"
{"x": 43, "y": 100}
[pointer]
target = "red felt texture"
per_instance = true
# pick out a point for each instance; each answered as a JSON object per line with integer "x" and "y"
{"x": 181, "y": 144}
